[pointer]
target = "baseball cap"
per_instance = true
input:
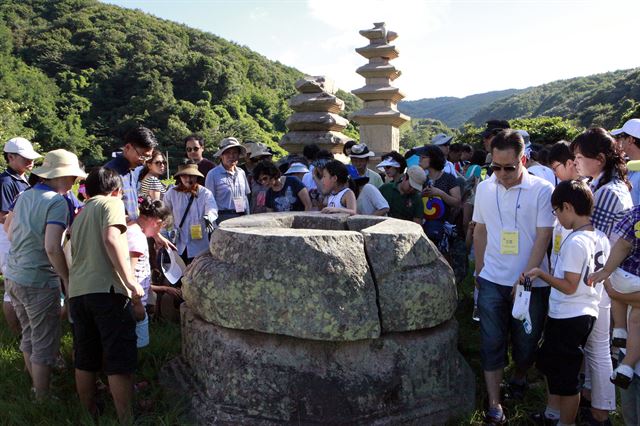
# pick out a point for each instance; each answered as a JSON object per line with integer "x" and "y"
{"x": 417, "y": 177}
{"x": 441, "y": 139}
{"x": 22, "y": 147}
{"x": 631, "y": 127}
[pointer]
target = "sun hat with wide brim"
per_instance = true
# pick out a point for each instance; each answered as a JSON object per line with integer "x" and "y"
{"x": 297, "y": 168}
{"x": 260, "y": 151}
{"x": 188, "y": 170}
{"x": 361, "y": 151}
{"x": 228, "y": 143}
{"x": 59, "y": 163}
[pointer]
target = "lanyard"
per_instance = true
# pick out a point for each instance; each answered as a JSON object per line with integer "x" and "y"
{"x": 500, "y": 212}
{"x": 563, "y": 241}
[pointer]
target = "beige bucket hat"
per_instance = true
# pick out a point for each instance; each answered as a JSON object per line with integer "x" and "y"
{"x": 58, "y": 163}
{"x": 189, "y": 170}
{"x": 228, "y": 143}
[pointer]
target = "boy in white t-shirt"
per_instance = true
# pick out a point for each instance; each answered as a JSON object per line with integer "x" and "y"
{"x": 573, "y": 302}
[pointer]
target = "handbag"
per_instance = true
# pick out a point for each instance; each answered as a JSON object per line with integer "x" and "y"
{"x": 174, "y": 238}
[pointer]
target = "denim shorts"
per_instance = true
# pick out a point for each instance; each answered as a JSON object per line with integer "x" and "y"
{"x": 498, "y": 327}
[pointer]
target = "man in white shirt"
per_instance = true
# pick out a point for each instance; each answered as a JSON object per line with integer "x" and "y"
{"x": 514, "y": 223}
{"x": 628, "y": 137}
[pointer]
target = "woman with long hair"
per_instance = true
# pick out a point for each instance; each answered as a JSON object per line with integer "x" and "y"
{"x": 597, "y": 156}
{"x": 154, "y": 169}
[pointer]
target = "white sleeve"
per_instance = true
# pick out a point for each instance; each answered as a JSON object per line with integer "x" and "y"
{"x": 545, "y": 217}
{"x": 378, "y": 201}
{"x": 573, "y": 256}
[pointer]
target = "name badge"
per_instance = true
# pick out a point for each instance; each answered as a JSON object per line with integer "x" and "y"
{"x": 196, "y": 232}
{"x": 557, "y": 241}
{"x": 238, "y": 203}
{"x": 509, "y": 242}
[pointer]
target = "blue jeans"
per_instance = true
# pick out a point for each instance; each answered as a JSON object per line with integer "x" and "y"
{"x": 497, "y": 326}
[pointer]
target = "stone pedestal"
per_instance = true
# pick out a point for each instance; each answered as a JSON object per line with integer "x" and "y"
{"x": 379, "y": 119}
{"x": 310, "y": 318}
{"x": 316, "y": 119}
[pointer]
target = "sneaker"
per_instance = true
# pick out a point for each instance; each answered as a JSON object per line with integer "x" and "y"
{"x": 492, "y": 417}
{"x": 619, "y": 338}
{"x": 475, "y": 316}
{"x": 541, "y": 420}
{"x": 622, "y": 376}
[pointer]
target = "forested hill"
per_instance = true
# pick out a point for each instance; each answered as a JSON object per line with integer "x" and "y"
{"x": 77, "y": 74}
{"x": 454, "y": 112}
{"x": 596, "y": 100}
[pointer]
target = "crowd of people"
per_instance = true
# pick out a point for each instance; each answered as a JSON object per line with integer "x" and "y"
{"x": 561, "y": 223}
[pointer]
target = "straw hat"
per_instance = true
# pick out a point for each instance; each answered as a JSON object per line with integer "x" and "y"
{"x": 58, "y": 163}
{"x": 188, "y": 170}
{"x": 228, "y": 143}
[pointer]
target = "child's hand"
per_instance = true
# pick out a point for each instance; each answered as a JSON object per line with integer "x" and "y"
{"x": 533, "y": 273}
{"x": 330, "y": 210}
{"x": 596, "y": 277}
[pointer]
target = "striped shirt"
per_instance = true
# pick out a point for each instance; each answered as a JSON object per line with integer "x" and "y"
{"x": 629, "y": 229}
{"x": 612, "y": 203}
{"x": 152, "y": 183}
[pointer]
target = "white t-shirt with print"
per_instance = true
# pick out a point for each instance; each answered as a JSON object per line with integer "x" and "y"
{"x": 582, "y": 252}
{"x": 525, "y": 207}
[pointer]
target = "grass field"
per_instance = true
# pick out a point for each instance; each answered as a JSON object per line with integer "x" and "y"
{"x": 162, "y": 409}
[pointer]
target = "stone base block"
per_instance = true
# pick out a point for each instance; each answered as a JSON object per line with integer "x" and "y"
{"x": 244, "y": 377}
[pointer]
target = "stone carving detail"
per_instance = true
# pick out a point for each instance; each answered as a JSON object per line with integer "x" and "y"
{"x": 327, "y": 319}
{"x": 379, "y": 119}
{"x": 316, "y": 117}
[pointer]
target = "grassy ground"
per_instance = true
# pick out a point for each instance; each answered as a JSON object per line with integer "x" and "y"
{"x": 18, "y": 409}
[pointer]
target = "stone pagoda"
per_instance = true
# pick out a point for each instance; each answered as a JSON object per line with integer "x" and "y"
{"x": 380, "y": 119}
{"x": 316, "y": 119}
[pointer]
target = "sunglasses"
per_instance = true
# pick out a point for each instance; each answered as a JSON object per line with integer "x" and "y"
{"x": 194, "y": 149}
{"x": 160, "y": 163}
{"x": 508, "y": 169}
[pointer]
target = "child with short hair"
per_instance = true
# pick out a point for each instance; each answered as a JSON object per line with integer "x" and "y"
{"x": 101, "y": 289}
{"x": 573, "y": 302}
{"x": 623, "y": 266}
{"x": 335, "y": 184}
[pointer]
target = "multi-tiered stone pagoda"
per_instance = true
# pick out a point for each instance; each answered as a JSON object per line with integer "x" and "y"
{"x": 379, "y": 119}
{"x": 316, "y": 119}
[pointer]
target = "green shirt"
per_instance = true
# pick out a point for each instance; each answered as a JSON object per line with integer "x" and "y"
{"x": 91, "y": 269}
{"x": 27, "y": 263}
{"x": 402, "y": 206}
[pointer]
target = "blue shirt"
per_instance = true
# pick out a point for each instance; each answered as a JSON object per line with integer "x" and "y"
{"x": 130, "y": 179}
{"x": 28, "y": 263}
{"x": 634, "y": 178}
{"x": 225, "y": 186}
{"x": 11, "y": 184}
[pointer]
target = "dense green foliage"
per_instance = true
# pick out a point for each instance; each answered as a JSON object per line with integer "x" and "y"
{"x": 596, "y": 100}
{"x": 77, "y": 74}
{"x": 453, "y": 112}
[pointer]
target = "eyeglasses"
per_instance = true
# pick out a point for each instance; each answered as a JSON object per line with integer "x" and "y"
{"x": 160, "y": 163}
{"x": 141, "y": 156}
{"x": 194, "y": 149}
{"x": 508, "y": 169}
{"x": 554, "y": 168}
{"x": 553, "y": 212}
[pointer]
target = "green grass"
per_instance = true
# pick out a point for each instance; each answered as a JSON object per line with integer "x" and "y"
{"x": 18, "y": 409}
{"x": 469, "y": 346}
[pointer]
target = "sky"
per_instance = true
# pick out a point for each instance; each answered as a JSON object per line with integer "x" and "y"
{"x": 447, "y": 47}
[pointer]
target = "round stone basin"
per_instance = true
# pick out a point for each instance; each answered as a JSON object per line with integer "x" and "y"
{"x": 321, "y": 277}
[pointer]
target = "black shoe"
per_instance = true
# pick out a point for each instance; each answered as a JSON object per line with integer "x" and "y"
{"x": 540, "y": 419}
{"x": 513, "y": 391}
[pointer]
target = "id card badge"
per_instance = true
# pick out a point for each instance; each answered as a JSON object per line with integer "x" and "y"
{"x": 509, "y": 242}
{"x": 557, "y": 242}
{"x": 196, "y": 232}
{"x": 238, "y": 203}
